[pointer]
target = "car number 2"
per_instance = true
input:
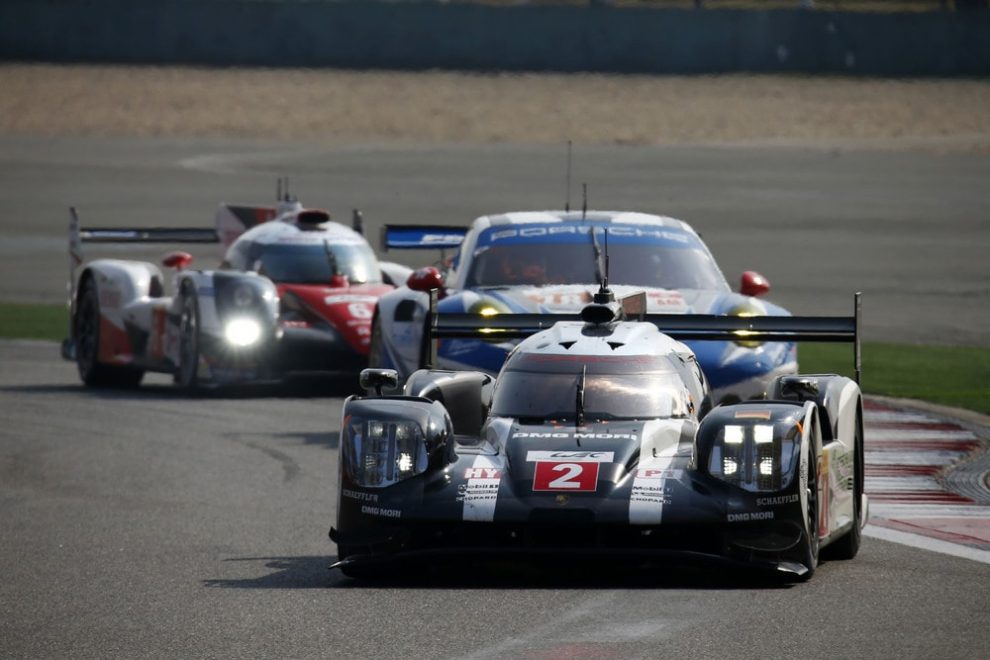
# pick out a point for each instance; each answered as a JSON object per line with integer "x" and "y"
{"x": 570, "y": 477}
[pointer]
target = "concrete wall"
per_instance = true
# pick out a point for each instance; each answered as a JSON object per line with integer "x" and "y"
{"x": 464, "y": 36}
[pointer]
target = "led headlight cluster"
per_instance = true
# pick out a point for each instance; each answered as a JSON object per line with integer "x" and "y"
{"x": 384, "y": 452}
{"x": 755, "y": 453}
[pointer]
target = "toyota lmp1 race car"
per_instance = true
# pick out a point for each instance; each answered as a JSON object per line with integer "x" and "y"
{"x": 540, "y": 262}
{"x": 598, "y": 436}
{"x": 295, "y": 293}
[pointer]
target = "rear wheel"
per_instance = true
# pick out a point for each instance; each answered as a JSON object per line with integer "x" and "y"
{"x": 187, "y": 376}
{"x": 847, "y": 546}
{"x": 87, "y": 337}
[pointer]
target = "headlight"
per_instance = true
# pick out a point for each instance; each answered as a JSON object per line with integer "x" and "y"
{"x": 751, "y": 447}
{"x": 385, "y": 452}
{"x": 488, "y": 307}
{"x": 746, "y": 309}
{"x": 386, "y": 441}
{"x": 242, "y": 332}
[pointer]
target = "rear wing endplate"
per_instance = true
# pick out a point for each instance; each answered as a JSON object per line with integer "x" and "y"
{"x": 421, "y": 237}
{"x": 678, "y": 326}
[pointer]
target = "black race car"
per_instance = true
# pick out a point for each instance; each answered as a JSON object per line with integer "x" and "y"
{"x": 598, "y": 436}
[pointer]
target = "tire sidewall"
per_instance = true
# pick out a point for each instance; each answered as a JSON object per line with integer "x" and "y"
{"x": 186, "y": 375}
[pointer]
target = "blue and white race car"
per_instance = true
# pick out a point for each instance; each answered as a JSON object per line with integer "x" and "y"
{"x": 552, "y": 262}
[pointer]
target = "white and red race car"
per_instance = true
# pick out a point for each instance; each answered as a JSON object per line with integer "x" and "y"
{"x": 295, "y": 293}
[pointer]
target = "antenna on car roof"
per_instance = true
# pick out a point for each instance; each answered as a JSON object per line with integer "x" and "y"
{"x": 604, "y": 295}
{"x": 278, "y": 189}
{"x": 567, "y": 200}
{"x": 584, "y": 201}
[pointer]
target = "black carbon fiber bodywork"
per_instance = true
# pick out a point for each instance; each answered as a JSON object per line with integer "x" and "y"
{"x": 688, "y": 511}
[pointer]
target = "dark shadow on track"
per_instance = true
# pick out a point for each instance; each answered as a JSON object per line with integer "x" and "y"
{"x": 313, "y": 573}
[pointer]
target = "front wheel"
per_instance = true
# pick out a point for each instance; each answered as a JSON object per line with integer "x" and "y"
{"x": 811, "y": 540}
{"x": 86, "y": 332}
{"x": 187, "y": 375}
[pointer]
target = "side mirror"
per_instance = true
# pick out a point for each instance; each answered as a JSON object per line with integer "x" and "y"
{"x": 178, "y": 260}
{"x": 426, "y": 279}
{"x": 376, "y": 379}
{"x": 338, "y": 281}
{"x": 753, "y": 284}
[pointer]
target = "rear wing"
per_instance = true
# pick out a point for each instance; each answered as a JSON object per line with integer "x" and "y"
{"x": 421, "y": 237}
{"x": 232, "y": 220}
{"x": 678, "y": 326}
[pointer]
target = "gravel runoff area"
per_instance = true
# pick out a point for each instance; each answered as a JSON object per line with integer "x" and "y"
{"x": 452, "y": 107}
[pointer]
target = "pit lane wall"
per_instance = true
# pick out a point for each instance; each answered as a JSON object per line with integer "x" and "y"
{"x": 414, "y": 35}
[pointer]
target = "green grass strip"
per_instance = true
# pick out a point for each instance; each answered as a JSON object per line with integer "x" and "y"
{"x": 34, "y": 321}
{"x": 949, "y": 375}
{"x": 956, "y": 376}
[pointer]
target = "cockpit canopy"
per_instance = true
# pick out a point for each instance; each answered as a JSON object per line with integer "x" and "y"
{"x": 306, "y": 263}
{"x": 547, "y": 389}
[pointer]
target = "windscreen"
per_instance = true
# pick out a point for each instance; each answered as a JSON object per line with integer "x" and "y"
{"x": 552, "y": 259}
{"x": 553, "y": 396}
{"x": 312, "y": 264}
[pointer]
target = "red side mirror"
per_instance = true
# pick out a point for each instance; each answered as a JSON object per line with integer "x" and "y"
{"x": 425, "y": 279}
{"x": 753, "y": 284}
{"x": 178, "y": 260}
{"x": 338, "y": 281}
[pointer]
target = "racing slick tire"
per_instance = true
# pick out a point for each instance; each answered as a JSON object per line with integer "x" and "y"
{"x": 187, "y": 373}
{"x": 847, "y": 546}
{"x": 86, "y": 331}
{"x": 811, "y": 540}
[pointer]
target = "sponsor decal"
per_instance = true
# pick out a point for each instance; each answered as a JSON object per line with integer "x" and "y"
{"x": 358, "y": 495}
{"x": 380, "y": 511}
{"x": 658, "y": 473}
{"x": 430, "y": 239}
{"x": 750, "y": 516}
{"x": 576, "y": 435}
{"x": 349, "y": 298}
{"x": 575, "y": 299}
{"x": 774, "y": 501}
{"x": 664, "y": 299}
{"x": 482, "y": 473}
{"x": 752, "y": 414}
{"x": 563, "y": 230}
{"x": 825, "y": 496}
{"x": 571, "y": 456}
{"x": 575, "y": 477}
{"x": 479, "y": 493}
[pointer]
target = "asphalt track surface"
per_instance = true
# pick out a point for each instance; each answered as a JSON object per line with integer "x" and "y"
{"x": 149, "y": 524}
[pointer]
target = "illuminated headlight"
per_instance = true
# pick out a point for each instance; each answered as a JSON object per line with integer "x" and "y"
{"x": 746, "y": 310}
{"x": 382, "y": 453}
{"x": 242, "y": 332}
{"x": 754, "y": 454}
{"x": 488, "y": 307}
